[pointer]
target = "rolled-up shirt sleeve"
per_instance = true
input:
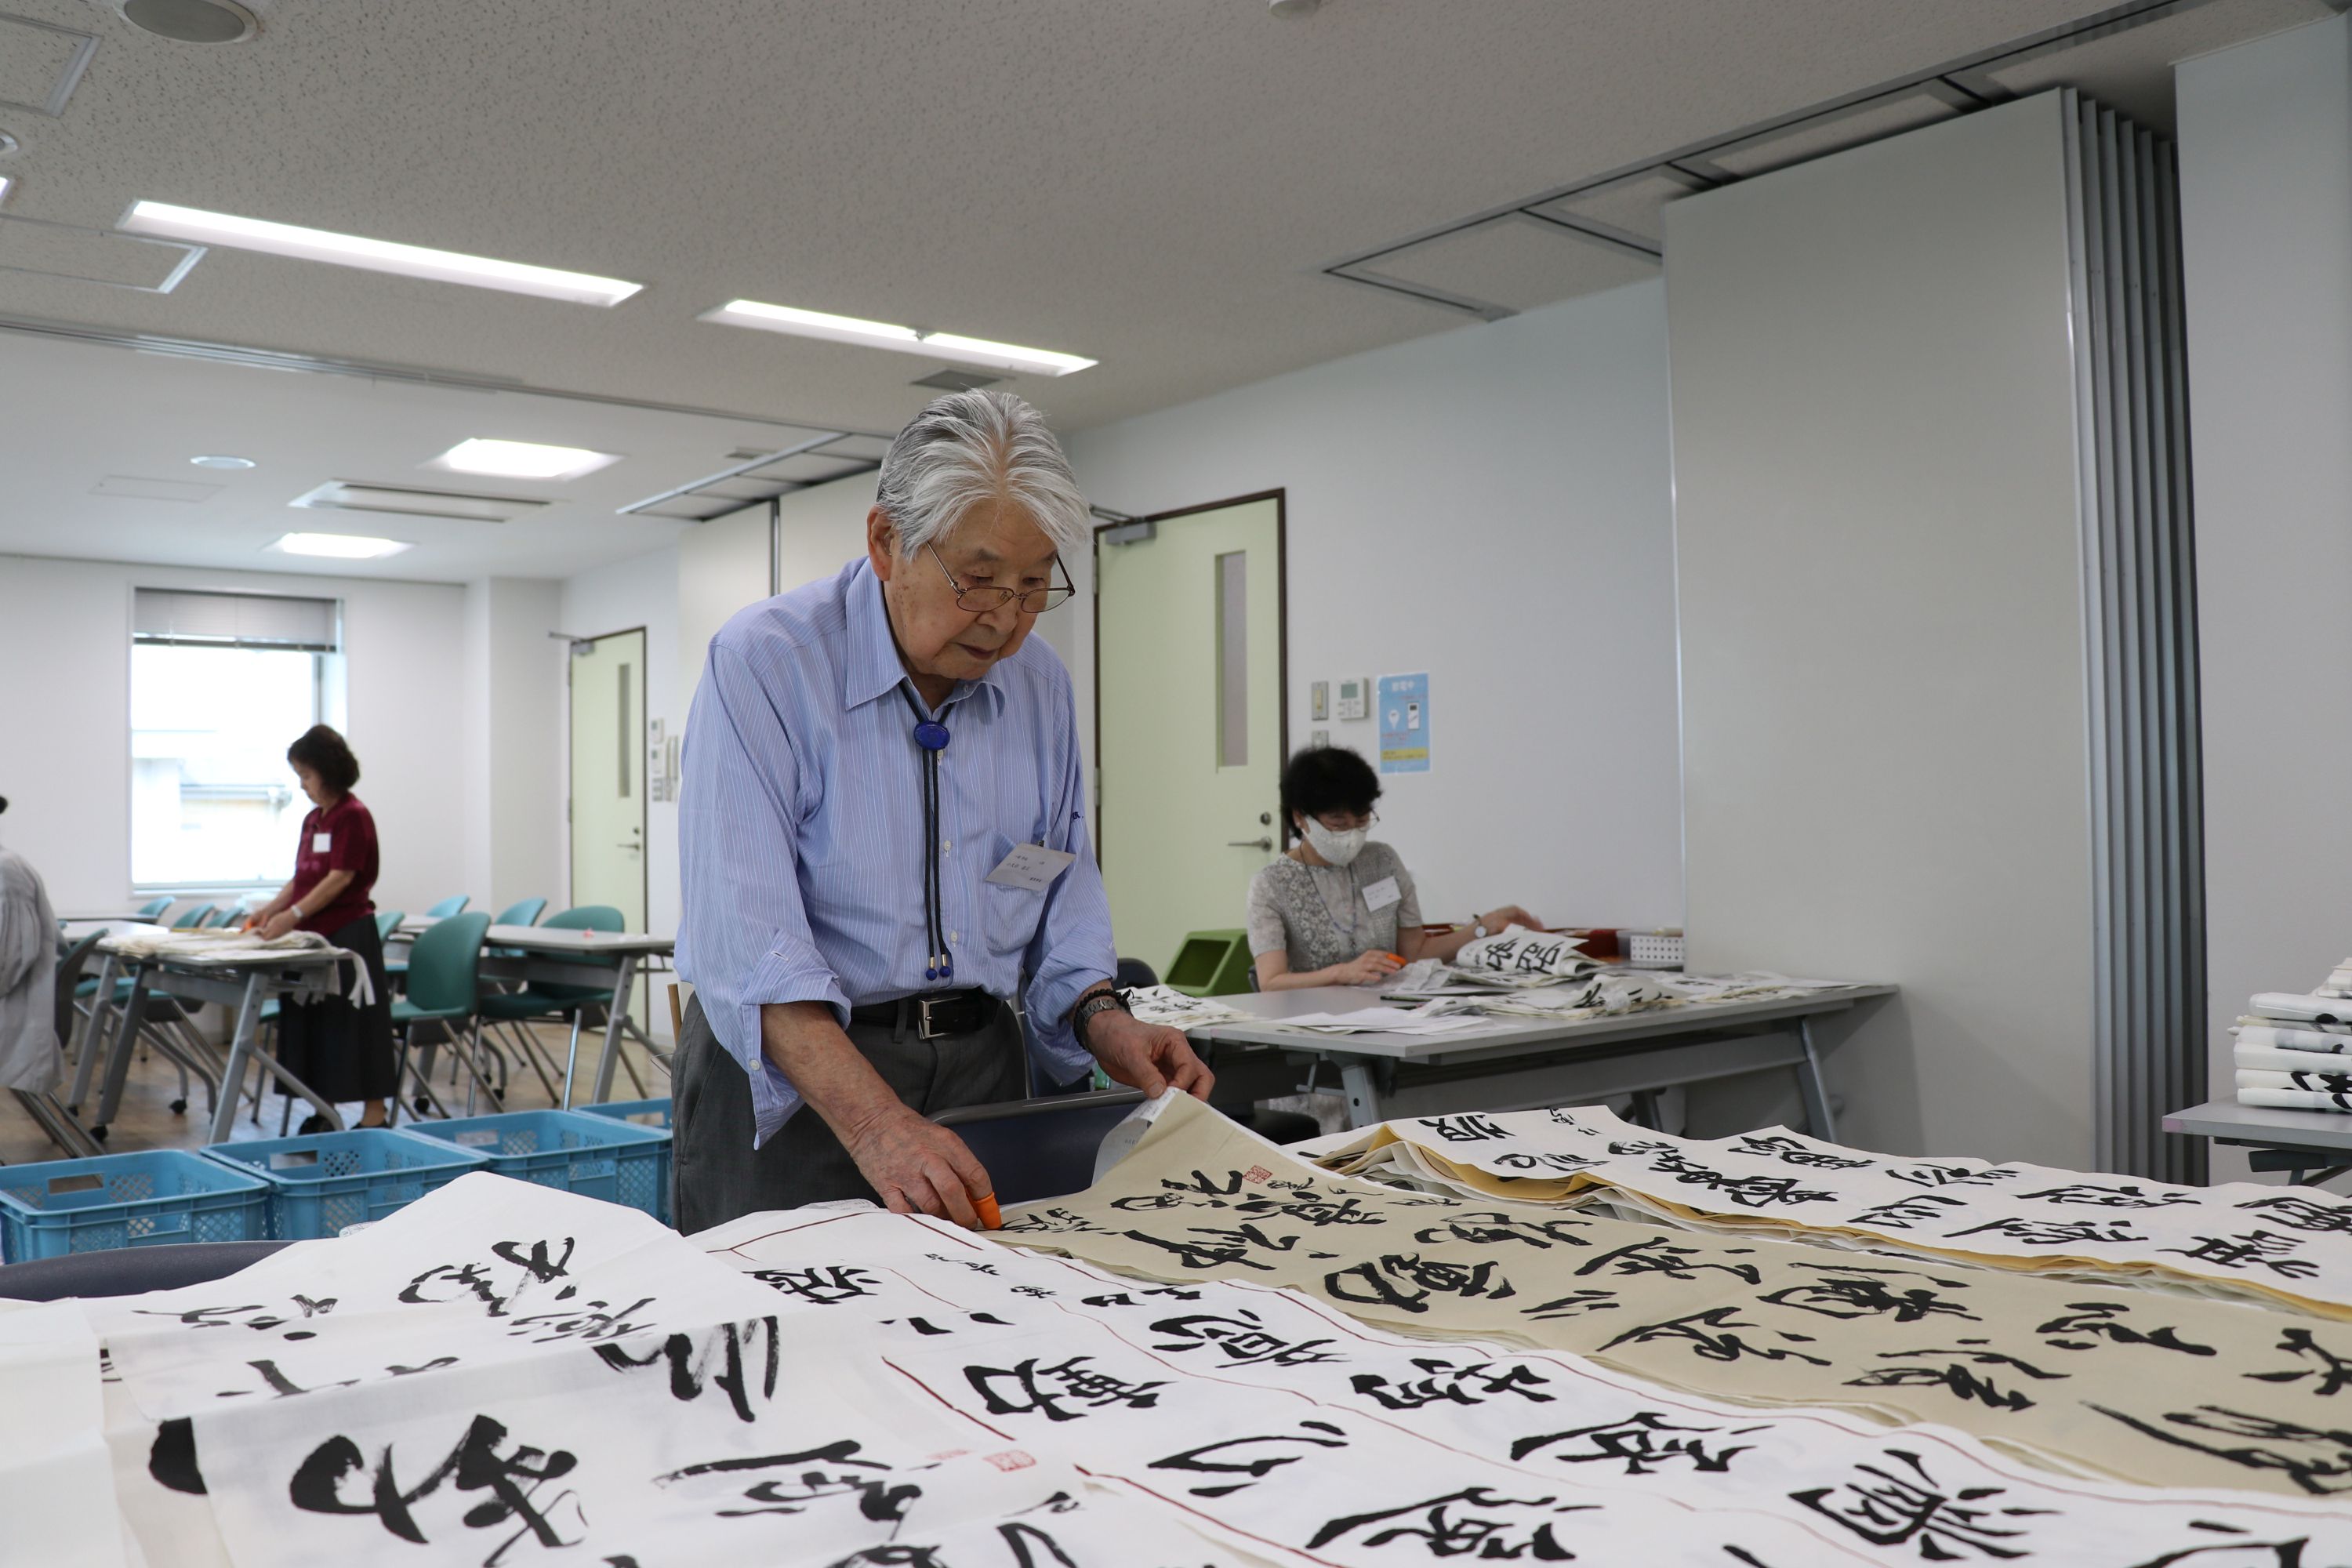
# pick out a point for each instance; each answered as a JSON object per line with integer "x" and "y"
{"x": 743, "y": 937}
{"x": 1073, "y": 949}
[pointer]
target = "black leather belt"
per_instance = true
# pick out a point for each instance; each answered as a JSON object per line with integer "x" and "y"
{"x": 932, "y": 1015}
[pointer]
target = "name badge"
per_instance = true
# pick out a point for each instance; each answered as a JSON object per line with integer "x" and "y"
{"x": 1380, "y": 895}
{"x": 322, "y": 842}
{"x": 1031, "y": 867}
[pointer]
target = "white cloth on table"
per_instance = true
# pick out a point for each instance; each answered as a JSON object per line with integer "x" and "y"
{"x": 29, "y": 1055}
{"x": 2293, "y": 1007}
{"x": 225, "y": 946}
{"x": 2294, "y": 1099}
{"x": 2273, "y": 1036}
{"x": 2312, "y": 1082}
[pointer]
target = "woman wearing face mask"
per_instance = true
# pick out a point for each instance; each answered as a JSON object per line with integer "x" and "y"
{"x": 1338, "y": 908}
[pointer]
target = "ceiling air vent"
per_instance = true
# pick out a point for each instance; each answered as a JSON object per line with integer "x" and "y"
{"x": 343, "y": 495}
{"x": 955, "y": 381}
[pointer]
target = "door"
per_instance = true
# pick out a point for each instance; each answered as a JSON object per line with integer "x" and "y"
{"x": 608, "y": 785}
{"x": 1190, "y": 720}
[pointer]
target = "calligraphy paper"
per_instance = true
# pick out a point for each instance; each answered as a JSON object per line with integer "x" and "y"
{"x": 485, "y": 1269}
{"x": 57, "y": 1479}
{"x": 2158, "y": 1389}
{"x": 1155, "y": 1383}
{"x": 2281, "y": 1246}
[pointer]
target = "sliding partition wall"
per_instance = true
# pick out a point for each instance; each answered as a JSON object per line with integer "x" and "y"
{"x": 1939, "y": 664}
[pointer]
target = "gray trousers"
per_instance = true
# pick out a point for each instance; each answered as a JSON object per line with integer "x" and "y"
{"x": 717, "y": 1175}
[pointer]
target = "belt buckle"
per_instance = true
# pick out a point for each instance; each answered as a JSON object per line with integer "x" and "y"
{"x": 923, "y": 1030}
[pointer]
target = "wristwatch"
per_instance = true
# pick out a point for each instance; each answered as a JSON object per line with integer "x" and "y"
{"x": 1478, "y": 927}
{"x": 1100, "y": 1002}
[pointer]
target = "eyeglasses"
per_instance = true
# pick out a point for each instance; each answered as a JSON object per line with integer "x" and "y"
{"x": 1035, "y": 601}
{"x": 1348, "y": 821}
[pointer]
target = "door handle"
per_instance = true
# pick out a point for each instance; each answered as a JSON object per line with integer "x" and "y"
{"x": 631, "y": 847}
{"x": 1259, "y": 844}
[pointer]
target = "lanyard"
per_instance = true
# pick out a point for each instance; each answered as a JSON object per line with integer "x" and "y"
{"x": 931, "y": 739}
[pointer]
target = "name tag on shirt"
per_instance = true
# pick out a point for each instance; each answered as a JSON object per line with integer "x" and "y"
{"x": 1380, "y": 895}
{"x": 1031, "y": 867}
{"x": 321, "y": 843}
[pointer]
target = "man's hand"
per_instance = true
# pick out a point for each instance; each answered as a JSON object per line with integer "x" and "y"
{"x": 1149, "y": 1056}
{"x": 917, "y": 1166}
{"x": 1367, "y": 968}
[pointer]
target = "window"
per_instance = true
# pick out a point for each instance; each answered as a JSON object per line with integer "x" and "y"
{"x": 220, "y": 686}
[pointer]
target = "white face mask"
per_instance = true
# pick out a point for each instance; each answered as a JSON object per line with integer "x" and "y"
{"x": 1339, "y": 848}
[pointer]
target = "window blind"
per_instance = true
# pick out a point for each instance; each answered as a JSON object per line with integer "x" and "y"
{"x": 183, "y": 617}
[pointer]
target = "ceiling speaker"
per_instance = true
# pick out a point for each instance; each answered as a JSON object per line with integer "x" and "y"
{"x": 191, "y": 21}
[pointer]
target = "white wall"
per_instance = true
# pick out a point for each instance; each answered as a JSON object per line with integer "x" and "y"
{"x": 64, "y": 743}
{"x": 1491, "y": 505}
{"x": 1885, "y": 730}
{"x": 513, "y": 717}
{"x": 2266, "y": 222}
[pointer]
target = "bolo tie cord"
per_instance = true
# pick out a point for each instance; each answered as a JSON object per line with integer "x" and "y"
{"x": 932, "y": 738}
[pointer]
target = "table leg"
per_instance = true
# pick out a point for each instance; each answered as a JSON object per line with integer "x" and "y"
{"x": 625, "y": 987}
{"x": 240, "y": 1050}
{"x": 126, "y": 1041}
{"x": 1818, "y": 1120}
{"x": 1363, "y": 1093}
{"x": 93, "y": 1034}
{"x": 572, "y": 1055}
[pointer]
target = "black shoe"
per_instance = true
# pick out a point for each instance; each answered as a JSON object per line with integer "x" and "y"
{"x": 315, "y": 1123}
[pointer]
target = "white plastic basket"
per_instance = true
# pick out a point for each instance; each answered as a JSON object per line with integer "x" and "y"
{"x": 1654, "y": 949}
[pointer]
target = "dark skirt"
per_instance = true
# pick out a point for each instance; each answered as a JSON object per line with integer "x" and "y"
{"x": 342, "y": 1052}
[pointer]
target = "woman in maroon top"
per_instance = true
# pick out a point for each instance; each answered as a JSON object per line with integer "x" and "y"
{"x": 342, "y": 1052}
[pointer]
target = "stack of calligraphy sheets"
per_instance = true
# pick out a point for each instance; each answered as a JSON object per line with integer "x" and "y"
{"x": 505, "y": 1375}
{"x": 2295, "y": 1052}
{"x": 2131, "y": 1384}
{"x": 1535, "y": 974}
{"x": 2237, "y": 1241}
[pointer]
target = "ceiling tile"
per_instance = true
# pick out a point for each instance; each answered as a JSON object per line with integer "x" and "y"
{"x": 1512, "y": 261}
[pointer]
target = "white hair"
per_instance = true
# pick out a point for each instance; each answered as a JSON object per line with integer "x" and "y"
{"x": 973, "y": 447}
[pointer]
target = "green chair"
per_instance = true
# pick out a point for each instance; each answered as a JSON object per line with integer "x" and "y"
{"x": 522, "y": 912}
{"x": 195, "y": 919}
{"x": 388, "y": 921}
{"x": 154, "y": 906}
{"x": 448, "y": 907}
{"x": 217, "y": 919}
{"x": 445, "y": 990}
{"x": 517, "y": 1009}
{"x": 1211, "y": 963}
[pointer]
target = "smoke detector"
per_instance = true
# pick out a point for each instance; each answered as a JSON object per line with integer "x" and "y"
{"x": 191, "y": 21}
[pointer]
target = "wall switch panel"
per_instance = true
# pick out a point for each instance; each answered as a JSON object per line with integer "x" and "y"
{"x": 1355, "y": 698}
{"x": 1319, "y": 699}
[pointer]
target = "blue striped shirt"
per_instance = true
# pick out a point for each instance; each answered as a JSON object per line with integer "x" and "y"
{"x": 800, "y": 830}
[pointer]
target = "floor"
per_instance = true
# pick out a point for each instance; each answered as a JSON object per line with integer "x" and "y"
{"x": 146, "y": 1120}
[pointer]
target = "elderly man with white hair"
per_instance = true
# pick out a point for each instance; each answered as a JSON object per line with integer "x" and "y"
{"x": 883, "y": 838}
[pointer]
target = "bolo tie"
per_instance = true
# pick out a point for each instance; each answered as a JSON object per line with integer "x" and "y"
{"x": 931, "y": 739}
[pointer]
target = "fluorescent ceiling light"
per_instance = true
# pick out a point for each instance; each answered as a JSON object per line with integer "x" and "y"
{"x": 7, "y": 183}
{"x": 195, "y": 226}
{"x": 341, "y": 546}
{"x": 521, "y": 460}
{"x": 221, "y": 460}
{"x": 342, "y": 495}
{"x": 888, "y": 335}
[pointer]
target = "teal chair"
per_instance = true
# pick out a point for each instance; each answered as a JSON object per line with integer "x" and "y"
{"x": 217, "y": 919}
{"x": 522, "y": 912}
{"x": 515, "y": 1010}
{"x": 388, "y": 921}
{"x": 195, "y": 919}
{"x": 448, "y": 907}
{"x": 445, "y": 990}
{"x": 154, "y": 906}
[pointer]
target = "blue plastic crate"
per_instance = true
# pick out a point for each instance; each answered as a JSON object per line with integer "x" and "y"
{"x": 654, "y": 1114}
{"x": 323, "y": 1182}
{"x": 594, "y": 1156}
{"x": 61, "y": 1206}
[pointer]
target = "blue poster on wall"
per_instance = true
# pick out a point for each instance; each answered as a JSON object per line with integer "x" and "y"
{"x": 1404, "y": 723}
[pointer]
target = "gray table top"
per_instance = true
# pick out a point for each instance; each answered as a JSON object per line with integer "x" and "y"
{"x": 552, "y": 939}
{"x": 2262, "y": 1124}
{"x": 1504, "y": 1037}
